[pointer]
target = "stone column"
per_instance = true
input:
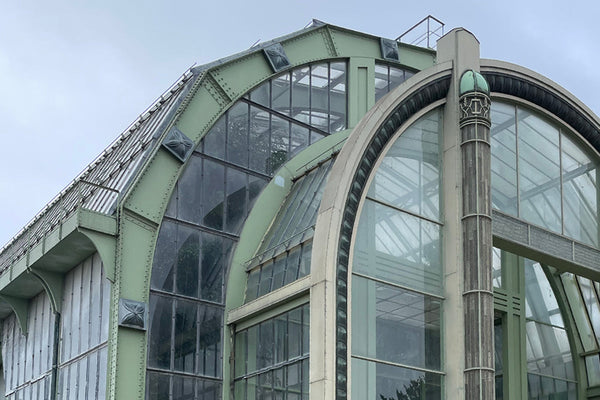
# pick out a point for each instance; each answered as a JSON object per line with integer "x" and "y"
{"x": 478, "y": 298}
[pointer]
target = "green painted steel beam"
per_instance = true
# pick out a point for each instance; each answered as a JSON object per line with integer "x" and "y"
{"x": 214, "y": 90}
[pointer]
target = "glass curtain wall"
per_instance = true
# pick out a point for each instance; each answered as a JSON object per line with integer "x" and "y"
{"x": 397, "y": 272}
{"x": 583, "y": 297}
{"x": 271, "y": 358}
{"x": 541, "y": 174}
{"x": 285, "y": 253}
{"x": 549, "y": 366}
{"x": 206, "y": 212}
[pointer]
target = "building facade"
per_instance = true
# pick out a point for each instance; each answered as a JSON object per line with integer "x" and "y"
{"x": 328, "y": 215}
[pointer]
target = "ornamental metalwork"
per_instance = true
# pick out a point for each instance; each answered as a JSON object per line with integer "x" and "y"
{"x": 277, "y": 57}
{"x": 474, "y": 108}
{"x": 133, "y": 314}
{"x": 178, "y": 144}
{"x": 389, "y": 49}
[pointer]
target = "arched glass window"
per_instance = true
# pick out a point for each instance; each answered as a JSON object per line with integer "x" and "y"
{"x": 397, "y": 272}
{"x": 542, "y": 174}
{"x": 206, "y": 212}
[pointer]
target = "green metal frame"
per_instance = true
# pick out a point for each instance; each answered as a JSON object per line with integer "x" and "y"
{"x": 143, "y": 205}
{"x": 509, "y": 301}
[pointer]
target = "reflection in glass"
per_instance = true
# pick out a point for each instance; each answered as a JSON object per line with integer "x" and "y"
{"x": 580, "y": 193}
{"x": 504, "y": 158}
{"x": 273, "y": 348}
{"x": 399, "y": 248}
{"x": 543, "y": 387}
{"x": 385, "y": 311}
{"x": 539, "y": 171}
{"x": 542, "y": 174}
{"x": 409, "y": 175}
{"x": 372, "y": 380}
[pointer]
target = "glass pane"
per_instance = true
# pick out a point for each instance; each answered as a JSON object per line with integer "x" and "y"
{"x": 236, "y": 200}
{"x": 280, "y": 96}
{"x": 160, "y": 322}
{"x": 294, "y": 333}
{"x": 291, "y": 271}
{"x": 381, "y": 81}
{"x": 237, "y": 134}
{"x": 299, "y": 138}
{"x": 214, "y": 194}
{"x": 497, "y": 267}
{"x": 158, "y": 386}
{"x": 214, "y": 141}
{"x": 164, "y": 256}
{"x": 305, "y": 260}
{"x": 183, "y": 388}
{"x": 539, "y": 171}
{"x": 396, "y": 77}
{"x": 372, "y": 380}
{"x": 542, "y": 388}
{"x": 548, "y": 351}
{"x": 580, "y": 193}
{"x": 592, "y": 304}
{"x": 212, "y": 267}
{"x": 504, "y": 158}
{"x": 266, "y": 277}
{"x": 540, "y": 302}
{"x": 186, "y": 314}
{"x": 399, "y": 248}
{"x": 262, "y": 94}
{"x": 319, "y": 97}
{"x": 189, "y": 194}
{"x": 337, "y": 96}
{"x": 209, "y": 349}
{"x": 260, "y": 137}
{"x": 280, "y": 140}
{"x": 278, "y": 272}
{"x": 188, "y": 261}
{"x": 592, "y": 364}
{"x": 265, "y": 352}
{"x": 409, "y": 175}
{"x": 252, "y": 285}
{"x": 301, "y": 94}
{"x": 280, "y": 326}
{"x": 387, "y": 313}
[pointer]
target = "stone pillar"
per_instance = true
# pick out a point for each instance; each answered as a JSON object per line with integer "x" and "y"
{"x": 478, "y": 298}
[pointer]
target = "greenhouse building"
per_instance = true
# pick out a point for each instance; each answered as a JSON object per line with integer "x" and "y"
{"x": 329, "y": 215}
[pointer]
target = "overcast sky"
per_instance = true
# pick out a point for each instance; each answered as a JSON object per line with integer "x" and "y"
{"x": 75, "y": 74}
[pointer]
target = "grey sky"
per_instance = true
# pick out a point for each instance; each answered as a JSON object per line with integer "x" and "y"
{"x": 74, "y": 75}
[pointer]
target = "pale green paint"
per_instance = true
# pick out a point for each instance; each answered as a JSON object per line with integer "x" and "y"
{"x": 20, "y": 308}
{"x": 143, "y": 204}
{"x": 53, "y": 283}
{"x": 106, "y": 246}
{"x": 260, "y": 219}
{"x": 149, "y": 197}
{"x": 361, "y": 80}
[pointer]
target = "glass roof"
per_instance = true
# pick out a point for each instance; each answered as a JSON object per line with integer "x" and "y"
{"x": 297, "y": 216}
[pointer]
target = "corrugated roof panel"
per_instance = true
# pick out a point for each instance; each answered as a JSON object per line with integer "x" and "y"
{"x": 98, "y": 187}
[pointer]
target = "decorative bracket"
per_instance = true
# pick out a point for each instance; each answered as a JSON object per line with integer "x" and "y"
{"x": 277, "y": 57}
{"x": 178, "y": 144}
{"x": 389, "y": 49}
{"x": 133, "y": 314}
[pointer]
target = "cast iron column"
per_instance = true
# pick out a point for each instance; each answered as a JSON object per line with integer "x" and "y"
{"x": 478, "y": 298}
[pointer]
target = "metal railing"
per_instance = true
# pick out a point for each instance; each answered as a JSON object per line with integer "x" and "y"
{"x": 424, "y": 33}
